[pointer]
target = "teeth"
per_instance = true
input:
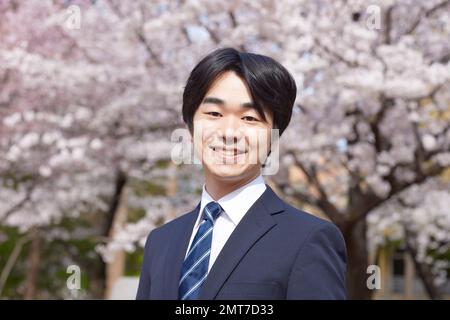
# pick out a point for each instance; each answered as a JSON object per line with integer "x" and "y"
{"x": 228, "y": 152}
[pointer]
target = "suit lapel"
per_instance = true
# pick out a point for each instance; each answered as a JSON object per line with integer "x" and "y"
{"x": 176, "y": 253}
{"x": 256, "y": 222}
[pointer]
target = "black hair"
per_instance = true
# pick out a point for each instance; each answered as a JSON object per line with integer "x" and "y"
{"x": 271, "y": 86}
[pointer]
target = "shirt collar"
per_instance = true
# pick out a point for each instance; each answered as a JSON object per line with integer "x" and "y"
{"x": 238, "y": 202}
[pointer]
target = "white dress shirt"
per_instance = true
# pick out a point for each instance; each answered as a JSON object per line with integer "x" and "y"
{"x": 235, "y": 205}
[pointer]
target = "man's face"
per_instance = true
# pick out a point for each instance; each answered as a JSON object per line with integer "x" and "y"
{"x": 230, "y": 137}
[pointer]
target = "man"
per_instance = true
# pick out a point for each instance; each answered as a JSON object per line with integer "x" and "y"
{"x": 241, "y": 241}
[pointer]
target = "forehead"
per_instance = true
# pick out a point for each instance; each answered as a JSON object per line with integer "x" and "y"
{"x": 231, "y": 88}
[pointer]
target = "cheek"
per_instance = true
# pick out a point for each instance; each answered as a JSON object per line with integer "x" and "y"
{"x": 258, "y": 138}
{"x": 203, "y": 130}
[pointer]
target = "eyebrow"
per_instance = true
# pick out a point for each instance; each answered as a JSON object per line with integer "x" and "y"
{"x": 221, "y": 102}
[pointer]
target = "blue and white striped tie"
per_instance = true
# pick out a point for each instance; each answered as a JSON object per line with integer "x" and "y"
{"x": 195, "y": 265}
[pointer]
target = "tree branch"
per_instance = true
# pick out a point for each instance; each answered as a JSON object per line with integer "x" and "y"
{"x": 429, "y": 172}
{"x": 323, "y": 201}
{"x": 139, "y": 32}
{"x": 381, "y": 143}
{"x": 388, "y": 25}
{"x": 12, "y": 260}
{"x": 334, "y": 54}
{"x": 18, "y": 205}
{"x": 427, "y": 14}
{"x": 423, "y": 269}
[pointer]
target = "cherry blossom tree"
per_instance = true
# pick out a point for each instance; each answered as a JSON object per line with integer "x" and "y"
{"x": 373, "y": 115}
{"x": 81, "y": 115}
{"x": 91, "y": 93}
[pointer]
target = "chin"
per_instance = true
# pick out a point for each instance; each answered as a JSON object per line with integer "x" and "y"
{"x": 228, "y": 171}
{"x": 231, "y": 172}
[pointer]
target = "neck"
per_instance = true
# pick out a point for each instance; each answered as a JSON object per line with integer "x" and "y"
{"x": 218, "y": 188}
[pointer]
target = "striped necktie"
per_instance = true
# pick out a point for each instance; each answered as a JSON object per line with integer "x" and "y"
{"x": 195, "y": 266}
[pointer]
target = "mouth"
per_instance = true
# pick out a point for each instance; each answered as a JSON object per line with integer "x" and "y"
{"x": 228, "y": 152}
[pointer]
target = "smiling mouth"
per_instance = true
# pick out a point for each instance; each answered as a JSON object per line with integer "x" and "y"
{"x": 228, "y": 152}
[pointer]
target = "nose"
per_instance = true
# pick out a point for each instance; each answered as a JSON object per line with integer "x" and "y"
{"x": 231, "y": 131}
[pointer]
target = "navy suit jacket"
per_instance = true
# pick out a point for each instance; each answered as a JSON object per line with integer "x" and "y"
{"x": 275, "y": 252}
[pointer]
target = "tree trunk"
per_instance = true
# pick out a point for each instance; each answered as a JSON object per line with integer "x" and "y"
{"x": 116, "y": 268}
{"x": 120, "y": 182}
{"x": 33, "y": 265}
{"x": 423, "y": 270}
{"x": 357, "y": 261}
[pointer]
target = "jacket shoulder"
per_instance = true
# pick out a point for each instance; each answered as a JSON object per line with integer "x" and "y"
{"x": 294, "y": 220}
{"x": 174, "y": 225}
{"x": 297, "y": 216}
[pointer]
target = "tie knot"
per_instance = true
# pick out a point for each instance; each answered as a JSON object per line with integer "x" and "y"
{"x": 212, "y": 211}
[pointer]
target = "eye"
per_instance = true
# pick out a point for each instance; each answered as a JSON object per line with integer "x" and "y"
{"x": 250, "y": 118}
{"x": 214, "y": 114}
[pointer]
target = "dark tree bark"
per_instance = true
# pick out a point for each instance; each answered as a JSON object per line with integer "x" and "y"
{"x": 120, "y": 182}
{"x": 423, "y": 270}
{"x": 34, "y": 259}
{"x": 357, "y": 261}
